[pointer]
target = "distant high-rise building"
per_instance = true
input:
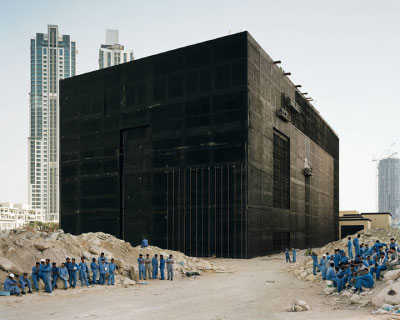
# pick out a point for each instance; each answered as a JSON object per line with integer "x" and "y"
{"x": 389, "y": 188}
{"x": 53, "y": 57}
{"x": 113, "y": 53}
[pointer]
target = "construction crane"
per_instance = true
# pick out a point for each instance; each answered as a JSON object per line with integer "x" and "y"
{"x": 387, "y": 155}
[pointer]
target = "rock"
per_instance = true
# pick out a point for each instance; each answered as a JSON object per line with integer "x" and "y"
{"x": 17, "y": 271}
{"x": 390, "y": 295}
{"x": 42, "y": 245}
{"x": 329, "y": 291}
{"x": 303, "y": 274}
{"x": 54, "y": 235}
{"x": 297, "y": 272}
{"x": 6, "y": 264}
{"x": 133, "y": 274}
{"x": 95, "y": 250}
{"x": 311, "y": 278}
{"x": 392, "y": 275}
{"x": 60, "y": 283}
{"x": 299, "y": 305}
{"x": 355, "y": 299}
{"x": 365, "y": 303}
{"x": 126, "y": 282}
{"x": 347, "y": 294}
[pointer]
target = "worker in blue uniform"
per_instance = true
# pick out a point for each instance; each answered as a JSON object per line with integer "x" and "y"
{"x": 35, "y": 275}
{"x": 314, "y": 258}
{"x": 393, "y": 244}
{"x": 349, "y": 248}
{"x": 365, "y": 280}
{"x": 73, "y": 269}
{"x": 162, "y": 267}
{"x": 25, "y": 282}
{"x": 322, "y": 266}
{"x": 54, "y": 274}
{"x": 368, "y": 251}
{"x": 41, "y": 267}
{"x": 64, "y": 275}
{"x": 67, "y": 264}
{"x": 103, "y": 270}
{"x": 337, "y": 257}
{"x": 83, "y": 272}
{"x": 356, "y": 243}
{"x": 287, "y": 255}
{"x": 111, "y": 272}
{"x": 294, "y": 254}
{"x": 145, "y": 243}
{"x": 331, "y": 275}
{"x": 102, "y": 257}
{"x": 11, "y": 285}
{"x": 343, "y": 257}
{"x": 142, "y": 270}
{"x": 47, "y": 276}
{"x": 154, "y": 264}
{"x": 95, "y": 268}
{"x": 379, "y": 266}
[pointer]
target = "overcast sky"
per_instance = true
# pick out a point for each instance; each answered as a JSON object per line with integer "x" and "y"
{"x": 345, "y": 54}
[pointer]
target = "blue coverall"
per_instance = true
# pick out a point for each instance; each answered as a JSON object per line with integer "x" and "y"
{"x": 356, "y": 243}
{"x": 315, "y": 264}
{"x": 47, "y": 277}
{"x": 365, "y": 280}
{"x": 35, "y": 276}
{"x": 294, "y": 255}
{"x": 94, "y": 267}
{"x": 287, "y": 255}
{"x": 162, "y": 267}
{"x": 145, "y": 243}
{"x": 331, "y": 275}
{"x": 378, "y": 268}
{"x": 322, "y": 267}
{"x": 154, "y": 263}
{"x": 368, "y": 252}
{"x": 142, "y": 270}
{"x": 102, "y": 258}
{"x": 336, "y": 259}
{"x": 350, "y": 249}
{"x": 83, "y": 271}
{"x": 73, "y": 268}
{"x": 63, "y": 274}
{"x": 54, "y": 272}
{"x": 103, "y": 272}
{"x": 25, "y": 282}
{"x": 111, "y": 273}
{"x": 343, "y": 258}
{"x": 11, "y": 285}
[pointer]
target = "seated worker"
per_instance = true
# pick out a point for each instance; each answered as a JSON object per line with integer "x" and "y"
{"x": 145, "y": 243}
{"x": 368, "y": 251}
{"x": 393, "y": 258}
{"x": 331, "y": 275}
{"x": 343, "y": 257}
{"x": 379, "y": 266}
{"x": 11, "y": 285}
{"x": 364, "y": 280}
{"x": 24, "y": 281}
{"x": 369, "y": 261}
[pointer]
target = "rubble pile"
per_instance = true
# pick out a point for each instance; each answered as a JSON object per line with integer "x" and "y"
{"x": 20, "y": 249}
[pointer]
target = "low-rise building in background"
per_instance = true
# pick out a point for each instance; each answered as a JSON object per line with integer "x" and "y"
{"x": 15, "y": 215}
{"x": 353, "y": 221}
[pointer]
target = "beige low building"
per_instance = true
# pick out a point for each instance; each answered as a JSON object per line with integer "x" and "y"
{"x": 353, "y": 221}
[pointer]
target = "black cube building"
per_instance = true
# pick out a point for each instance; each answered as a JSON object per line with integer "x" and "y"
{"x": 208, "y": 149}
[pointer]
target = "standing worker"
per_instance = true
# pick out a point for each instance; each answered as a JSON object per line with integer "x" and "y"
{"x": 154, "y": 264}
{"x": 142, "y": 273}
{"x": 83, "y": 271}
{"x": 47, "y": 276}
{"x": 11, "y": 285}
{"x": 24, "y": 281}
{"x": 294, "y": 251}
{"x": 322, "y": 266}
{"x": 349, "y": 248}
{"x": 35, "y": 275}
{"x": 315, "y": 263}
{"x": 73, "y": 268}
{"x": 102, "y": 257}
{"x": 111, "y": 272}
{"x": 287, "y": 255}
{"x": 54, "y": 274}
{"x": 162, "y": 266}
{"x": 95, "y": 268}
{"x": 63, "y": 274}
{"x": 170, "y": 267}
{"x": 103, "y": 272}
{"x": 356, "y": 242}
{"x": 147, "y": 263}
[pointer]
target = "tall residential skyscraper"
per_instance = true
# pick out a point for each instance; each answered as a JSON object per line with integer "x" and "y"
{"x": 53, "y": 57}
{"x": 113, "y": 53}
{"x": 389, "y": 188}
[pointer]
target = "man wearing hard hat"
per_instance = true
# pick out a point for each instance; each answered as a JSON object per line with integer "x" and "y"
{"x": 11, "y": 285}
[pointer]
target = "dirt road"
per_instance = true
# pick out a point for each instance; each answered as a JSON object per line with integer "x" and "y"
{"x": 256, "y": 289}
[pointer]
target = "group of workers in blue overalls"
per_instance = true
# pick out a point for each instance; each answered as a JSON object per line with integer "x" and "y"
{"x": 66, "y": 271}
{"x": 357, "y": 271}
{"x": 287, "y": 255}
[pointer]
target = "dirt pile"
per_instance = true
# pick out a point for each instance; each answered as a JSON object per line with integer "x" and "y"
{"x": 19, "y": 250}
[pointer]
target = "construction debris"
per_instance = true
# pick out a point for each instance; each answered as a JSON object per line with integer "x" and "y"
{"x": 299, "y": 305}
{"x": 20, "y": 249}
